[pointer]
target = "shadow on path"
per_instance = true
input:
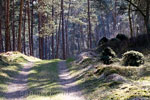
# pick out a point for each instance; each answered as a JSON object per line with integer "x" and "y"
{"x": 17, "y": 88}
{"x": 71, "y": 89}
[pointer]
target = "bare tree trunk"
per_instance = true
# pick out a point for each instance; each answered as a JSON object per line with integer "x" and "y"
{"x": 67, "y": 49}
{"x": 147, "y": 20}
{"x": 7, "y": 32}
{"x": 89, "y": 20}
{"x": 13, "y": 27}
{"x": 130, "y": 21}
{"x": 1, "y": 38}
{"x": 20, "y": 26}
{"x": 46, "y": 47}
{"x": 53, "y": 33}
{"x": 63, "y": 32}
{"x": 1, "y": 42}
{"x": 24, "y": 31}
{"x": 29, "y": 24}
{"x": 58, "y": 38}
{"x": 39, "y": 29}
{"x": 32, "y": 22}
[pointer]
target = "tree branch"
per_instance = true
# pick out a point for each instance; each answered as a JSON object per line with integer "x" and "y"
{"x": 136, "y": 8}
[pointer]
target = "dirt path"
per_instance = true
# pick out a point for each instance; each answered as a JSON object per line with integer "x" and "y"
{"x": 71, "y": 90}
{"x": 17, "y": 89}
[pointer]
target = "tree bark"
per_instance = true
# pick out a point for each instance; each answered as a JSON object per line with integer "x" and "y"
{"x": 89, "y": 27}
{"x": 53, "y": 33}
{"x": 20, "y": 26}
{"x": 63, "y": 32}
{"x": 24, "y": 31}
{"x": 29, "y": 28}
{"x": 13, "y": 27}
{"x": 130, "y": 20}
{"x": 67, "y": 47}
{"x": 32, "y": 27}
{"x": 7, "y": 32}
{"x": 58, "y": 38}
{"x": 1, "y": 41}
{"x": 147, "y": 21}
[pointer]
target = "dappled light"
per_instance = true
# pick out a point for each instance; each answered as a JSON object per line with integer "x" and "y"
{"x": 74, "y": 49}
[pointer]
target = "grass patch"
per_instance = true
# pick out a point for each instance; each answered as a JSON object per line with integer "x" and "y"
{"x": 44, "y": 80}
{"x": 16, "y": 57}
{"x": 69, "y": 60}
{"x": 94, "y": 88}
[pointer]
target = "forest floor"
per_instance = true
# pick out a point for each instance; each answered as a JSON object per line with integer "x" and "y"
{"x": 28, "y": 78}
{"x": 122, "y": 83}
{"x": 17, "y": 88}
{"x": 67, "y": 80}
{"x": 69, "y": 85}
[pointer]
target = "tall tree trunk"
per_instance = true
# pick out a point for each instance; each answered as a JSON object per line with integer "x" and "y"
{"x": 67, "y": 49}
{"x": 1, "y": 42}
{"x": 13, "y": 27}
{"x": 20, "y": 26}
{"x": 130, "y": 21}
{"x": 29, "y": 29}
{"x": 89, "y": 27}
{"x": 147, "y": 20}
{"x": 58, "y": 38}
{"x": 39, "y": 29}
{"x": 52, "y": 32}
{"x": 32, "y": 26}
{"x": 7, "y": 33}
{"x": 24, "y": 31}
{"x": 63, "y": 32}
{"x": 46, "y": 47}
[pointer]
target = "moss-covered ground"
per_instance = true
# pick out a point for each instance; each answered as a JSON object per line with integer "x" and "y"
{"x": 43, "y": 81}
{"x": 88, "y": 76}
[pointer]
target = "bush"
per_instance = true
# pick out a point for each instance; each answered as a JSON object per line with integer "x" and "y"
{"x": 108, "y": 55}
{"x": 133, "y": 58}
{"x": 114, "y": 43}
{"x": 102, "y": 41}
{"x": 122, "y": 37}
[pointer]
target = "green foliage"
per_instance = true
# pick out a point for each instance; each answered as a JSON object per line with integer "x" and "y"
{"x": 20, "y": 59}
{"x": 133, "y": 58}
{"x": 130, "y": 72}
{"x": 107, "y": 55}
{"x": 122, "y": 37}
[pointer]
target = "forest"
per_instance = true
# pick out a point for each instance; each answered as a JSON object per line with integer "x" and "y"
{"x": 74, "y": 49}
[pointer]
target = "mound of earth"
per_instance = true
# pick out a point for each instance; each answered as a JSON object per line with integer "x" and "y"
{"x": 85, "y": 56}
{"x": 16, "y": 57}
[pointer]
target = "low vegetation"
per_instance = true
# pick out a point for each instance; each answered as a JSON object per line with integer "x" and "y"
{"x": 107, "y": 56}
{"x": 44, "y": 81}
{"x": 133, "y": 58}
{"x": 114, "y": 77}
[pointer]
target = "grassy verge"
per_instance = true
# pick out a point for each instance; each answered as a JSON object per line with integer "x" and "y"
{"x": 43, "y": 81}
{"x": 10, "y": 65}
{"x": 94, "y": 88}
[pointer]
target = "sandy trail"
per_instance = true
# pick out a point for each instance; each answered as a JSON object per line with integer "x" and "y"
{"x": 17, "y": 89}
{"x": 71, "y": 90}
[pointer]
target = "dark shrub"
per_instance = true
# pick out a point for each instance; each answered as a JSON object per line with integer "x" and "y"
{"x": 107, "y": 55}
{"x": 102, "y": 41}
{"x": 114, "y": 43}
{"x": 133, "y": 58}
{"x": 122, "y": 37}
